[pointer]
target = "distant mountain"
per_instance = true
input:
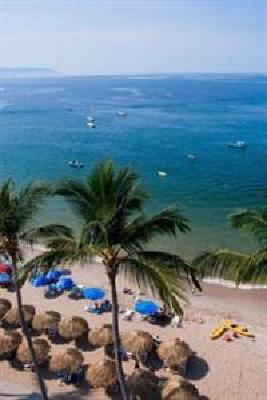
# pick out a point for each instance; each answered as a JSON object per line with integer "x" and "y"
{"x": 27, "y": 72}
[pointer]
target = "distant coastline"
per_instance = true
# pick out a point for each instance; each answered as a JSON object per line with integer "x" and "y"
{"x": 29, "y": 72}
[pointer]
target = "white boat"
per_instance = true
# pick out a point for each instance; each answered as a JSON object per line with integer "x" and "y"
{"x": 191, "y": 156}
{"x": 90, "y": 124}
{"x": 239, "y": 144}
{"x": 122, "y": 113}
{"x": 76, "y": 164}
{"x": 162, "y": 173}
{"x": 91, "y": 119}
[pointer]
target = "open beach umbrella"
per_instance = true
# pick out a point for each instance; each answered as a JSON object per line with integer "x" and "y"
{"x": 11, "y": 318}
{"x": 174, "y": 353}
{"x": 146, "y": 307}
{"x": 53, "y": 275}
{"x": 7, "y": 346}
{"x": 66, "y": 360}
{"x": 4, "y": 268}
{"x": 143, "y": 385}
{"x": 40, "y": 281}
{"x": 41, "y": 347}
{"x": 5, "y": 305}
{"x": 41, "y": 323}
{"x": 4, "y": 278}
{"x": 101, "y": 373}
{"x": 54, "y": 314}
{"x": 179, "y": 389}
{"x": 93, "y": 293}
{"x": 64, "y": 283}
{"x": 137, "y": 342}
{"x": 101, "y": 336}
{"x": 73, "y": 327}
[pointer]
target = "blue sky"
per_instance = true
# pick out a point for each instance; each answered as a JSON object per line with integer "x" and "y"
{"x": 134, "y": 36}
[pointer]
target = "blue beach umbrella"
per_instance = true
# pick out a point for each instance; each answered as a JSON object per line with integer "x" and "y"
{"x": 93, "y": 293}
{"x": 64, "y": 283}
{"x": 4, "y": 278}
{"x": 53, "y": 275}
{"x": 146, "y": 307}
{"x": 39, "y": 281}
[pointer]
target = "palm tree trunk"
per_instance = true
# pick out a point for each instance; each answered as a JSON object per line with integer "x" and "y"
{"x": 116, "y": 338}
{"x": 27, "y": 333}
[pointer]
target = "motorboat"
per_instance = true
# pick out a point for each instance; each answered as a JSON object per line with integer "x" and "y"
{"x": 90, "y": 124}
{"x": 122, "y": 113}
{"x": 191, "y": 156}
{"x": 239, "y": 144}
{"x": 76, "y": 164}
{"x": 162, "y": 173}
{"x": 91, "y": 119}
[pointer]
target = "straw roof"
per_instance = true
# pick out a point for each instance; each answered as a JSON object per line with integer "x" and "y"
{"x": 73, "y": 327}
{"x": 42, "y": 322}
{"x": 41, "y": 348}
{"x": 101, "y": 336}
{"x": 7, "y": 345}
{"x": 102, "y": 373}
{"x": 54, "y": 314}
{"x": 5, "y": 305}
{"x": 137, "y": 341}
{"x": 12, "y": 316}
{"x": 67, "y": 360}
{"x": 143, "y": 385}
{"x": 179, "y": 389}
{"x": 16, "y": 337}
{"x": 174, "y": 353}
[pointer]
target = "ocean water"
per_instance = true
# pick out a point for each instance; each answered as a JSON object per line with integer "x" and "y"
{"x": 42, "y": 126}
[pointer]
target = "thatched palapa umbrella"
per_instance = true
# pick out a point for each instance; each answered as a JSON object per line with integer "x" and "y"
{"x": 8, "y": 345}
{"x": 67, "y": 360}
{"x": 44, "y": 322}
{"x": 11, "y": 318}
{"x": 137, "y": 342}
{"x": 143, "y": 385}
{"x": 41, "y": 348}
{"x": 101, "y": 336}
{"x": 179, "y": 389}
{"x": 16, "y": 337}
{"x": 54, "y": 314}
{"x": 102, "y": 373}
{"x": 5, "y": 306}
{"x": 73, "y": 327}
{"x": 174, "y": 353}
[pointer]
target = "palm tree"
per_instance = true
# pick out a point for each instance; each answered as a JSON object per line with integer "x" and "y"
{"x": 109, "y": 205}
{"x": 240, "y": 266}
{"x": 17, "y": 208}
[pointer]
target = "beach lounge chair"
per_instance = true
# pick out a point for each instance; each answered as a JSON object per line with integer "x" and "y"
{"x": 176, "y": 322}
{"x": 127, "y": 316}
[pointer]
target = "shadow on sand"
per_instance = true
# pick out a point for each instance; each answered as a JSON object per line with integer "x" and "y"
{"x": 197, "y": 368}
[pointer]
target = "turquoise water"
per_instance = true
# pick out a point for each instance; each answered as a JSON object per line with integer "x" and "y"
{"x": 42, "y": 126}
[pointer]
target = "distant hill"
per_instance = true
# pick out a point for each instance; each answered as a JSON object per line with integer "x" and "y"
{"x": 27, "y": 72}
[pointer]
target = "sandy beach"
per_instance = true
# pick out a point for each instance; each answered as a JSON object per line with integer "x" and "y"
{"x": 220, "y": 370}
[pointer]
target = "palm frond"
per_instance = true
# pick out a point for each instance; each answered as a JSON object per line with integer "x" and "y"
{"x": 231, "y": 265}
{"x": 172, "y": 262}
{"x": 144, "y": 228}
{"x": 162, "y": 282}
{"x": 45, "y": 232}
{"x": 254, "y": 221}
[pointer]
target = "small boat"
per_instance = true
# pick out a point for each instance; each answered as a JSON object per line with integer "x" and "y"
{"x": 191, "y": 156}
{"x": 76, "y": 164}
{"x": 90, "y": 124}
{"x": 162, "y": 173}
{"x": 90, "y": 119}
{"x": 122, "y": 113}
{"x": 239, "y": 144}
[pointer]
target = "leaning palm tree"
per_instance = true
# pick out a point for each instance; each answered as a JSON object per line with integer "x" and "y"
{"x": 17, "y": 208}
{"x": 240, "y": 266}
{"x": 109, "y": 205}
